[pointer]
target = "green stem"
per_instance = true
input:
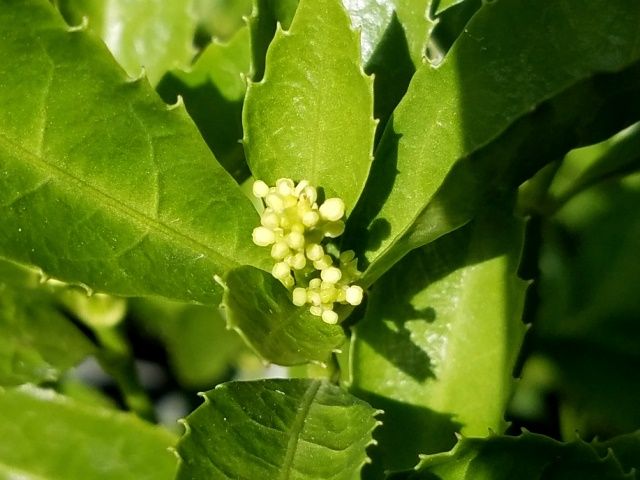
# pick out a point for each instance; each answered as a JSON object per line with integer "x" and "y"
{"x": 116, "y": 359}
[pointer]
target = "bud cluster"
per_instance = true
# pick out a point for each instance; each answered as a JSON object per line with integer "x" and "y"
{"x": 297, "y": 230}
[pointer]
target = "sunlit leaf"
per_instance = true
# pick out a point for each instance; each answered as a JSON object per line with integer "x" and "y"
{"x": 156, "y": 35}
{"x": 438, "y": 344}
{"x": 324, "y": 133}
{"x": 102, "y": 184}
{"x": 294, "y": 429}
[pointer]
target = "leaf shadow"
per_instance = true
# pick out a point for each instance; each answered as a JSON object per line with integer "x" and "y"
{"x": 218, "y": 119}
{"x": 412, "y": 430}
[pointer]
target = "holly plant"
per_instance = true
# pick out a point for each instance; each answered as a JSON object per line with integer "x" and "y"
{"x": 319, "y": 239}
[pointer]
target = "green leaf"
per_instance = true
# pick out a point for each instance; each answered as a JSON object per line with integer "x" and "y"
{"x": 625, "y": 447}
{"x": 527, "y": 457}
{"x": 393, "y": 38}
{"x": 156, "y": 35}
{"x": 50, "y": 437}
{"x": 324, "y": 131}
{"x": 443, "y": 5}
{"x": 585, "y": 167}
{"x": 260, "y": 309}
{"x": 266, "y": 14}
{"x": 101, "y": 184}
{"x": 220, "y": 18}
{"x": 586, "y": 323}
{"x": 449, "y": 26}
{"x": 199, "y": 346}
{"x": 37, "y": 342}
{"x": 213, "y": 92}
{"x": 499, "y": 70}
{"x": 438, "y": 343}
{"x": 276, "y": 429}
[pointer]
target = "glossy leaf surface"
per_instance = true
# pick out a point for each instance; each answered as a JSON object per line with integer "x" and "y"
{"x": 439, "y": 340}
{"x": 213, "y": 93}
{"x": 156, "y": 35}
{"x": 37, "y": 342}
{"x": 324, "y": 134}
{"x": 490, "y": 78}
{"x": 276, "y": 429}
{"x": 50, "y": 437}
{"x": 101, "y": 184}
{"x": 527, "y": 457}
{"x": 259, "y": 307}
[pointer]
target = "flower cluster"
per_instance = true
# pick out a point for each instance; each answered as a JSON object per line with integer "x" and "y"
{"x": 297, "y": 230}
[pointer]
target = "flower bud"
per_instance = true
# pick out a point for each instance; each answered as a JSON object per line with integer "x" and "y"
{"x": 260, "y": 189}
{"x": 330, "y": 317}
{"x": 295, "y": 240}
{"x": 314, "y": 252}
{"x": 299, "y": 297}
{"x": 332, "y": 209}
{"x": 280, "y": 250}
{"x": 270, "y": 220}
{"x": 353, "y": 295}
{"x": 280, "y": 270}
{"x": 263, "y": 237}
{"x": 331, "y": 275}
{"x": 333, "y": 229}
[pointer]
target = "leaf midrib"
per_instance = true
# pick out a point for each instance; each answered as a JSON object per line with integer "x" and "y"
{"x": 296, "y": 429}
{"x": 107, "y": 202}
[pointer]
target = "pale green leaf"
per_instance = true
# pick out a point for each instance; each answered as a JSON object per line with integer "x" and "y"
{"x": 101, "y": 184}
{"x": 439, "y": 340}
{"x": 198, "y": 344}
{"x": 156, "y": 35}
{"x": 276, "y": 429}
{"x": 213, "y": 93}
{"x": 527, "y": 457}
{"x": 499, "y": 70}
{"x": 259, "y": 307}
{"x": 46, "y": 436}
{"x": 324, "y": 131}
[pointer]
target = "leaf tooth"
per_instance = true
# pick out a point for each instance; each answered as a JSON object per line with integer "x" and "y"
{"x": 179, "y": 103}
{"x": 132, "y": 80}
{"x": 185, "y": 424}
{"x": 82, "y": 27}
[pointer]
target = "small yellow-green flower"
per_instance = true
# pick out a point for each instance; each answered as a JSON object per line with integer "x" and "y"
{"x": 297, "y": 230}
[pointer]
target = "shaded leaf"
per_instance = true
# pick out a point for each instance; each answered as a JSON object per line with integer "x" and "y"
{"x": 325, "y": 133}
{"x": 265, "y": 15}
{"x": 259, "y": 308}
{"x": 213, "y": 93}
{"x": 586, "y": 323}
{"x": 37, "y": 342}
{"x": 497, "y": 72}
{"x": 527, "y": 457}
{"x": 393, "y": 38}
{"x": 47, "y": 436}
{"x": 293, "y": 429}
{"x": 199, "y": 346}
{"x": 155, "y": 35}
{"x": 439, "y": 340}
{"x": 103, "y": 185}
